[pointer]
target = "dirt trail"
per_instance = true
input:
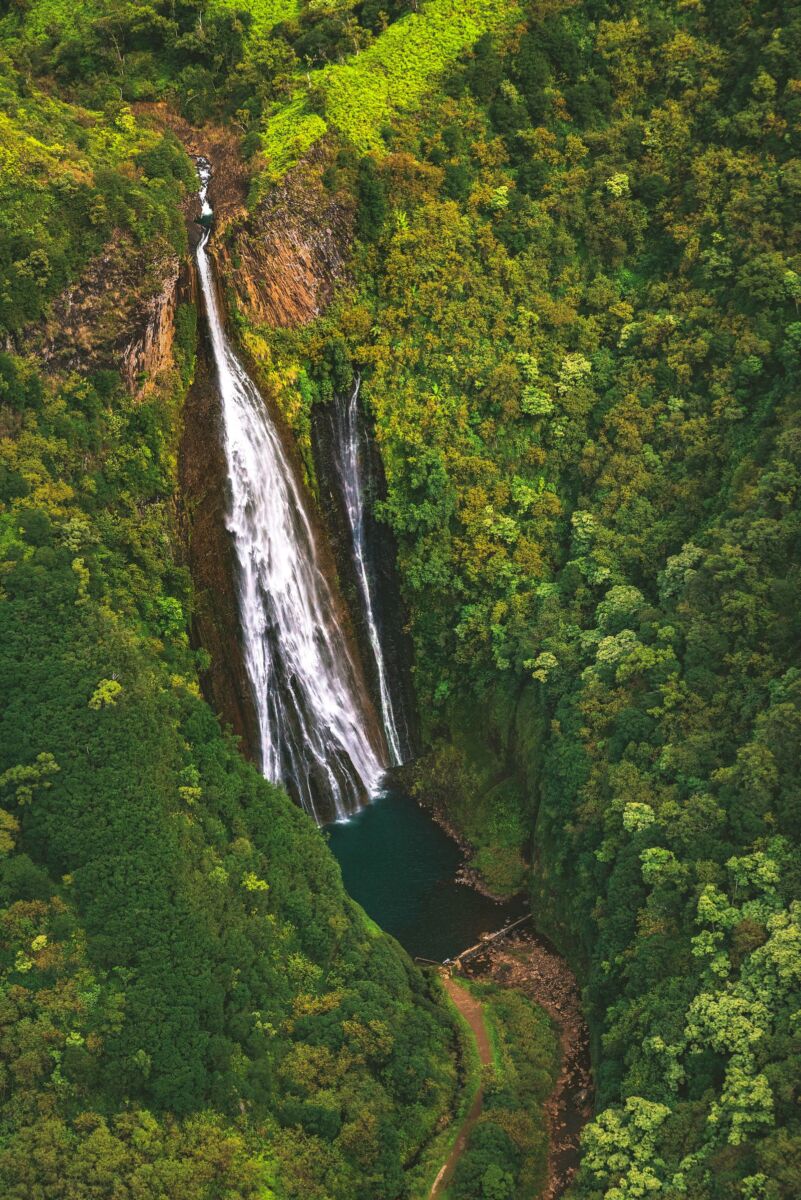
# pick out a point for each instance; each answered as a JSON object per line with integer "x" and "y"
{"x": 531, "y": 965}
{"x": 470, "y": 1008}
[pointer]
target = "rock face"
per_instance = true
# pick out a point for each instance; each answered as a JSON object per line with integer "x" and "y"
{"x": 381, "y": 551}
{"x": 210, "y": 553}
{"x": 280, "y": 265}
{"x": 120, "y": 314}
{"x": 283, "y": 263}
{"x": 151, "y": 351}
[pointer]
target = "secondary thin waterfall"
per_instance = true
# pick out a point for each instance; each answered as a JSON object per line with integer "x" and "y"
{"x": 314, "y": 727}
{"x": 352, "y": 482}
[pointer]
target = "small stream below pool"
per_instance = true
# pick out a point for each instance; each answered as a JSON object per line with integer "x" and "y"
{"x": 401, "y": 867}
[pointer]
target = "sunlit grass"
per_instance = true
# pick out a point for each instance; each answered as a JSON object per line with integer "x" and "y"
{"x": 396, "y": 71}
{"x": 361, "y": 96}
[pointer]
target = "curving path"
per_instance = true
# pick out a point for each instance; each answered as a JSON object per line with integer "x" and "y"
{"x": 471, "y": 1010}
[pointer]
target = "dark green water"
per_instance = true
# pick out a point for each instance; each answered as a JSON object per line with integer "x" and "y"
{"x": 401, "y": 868}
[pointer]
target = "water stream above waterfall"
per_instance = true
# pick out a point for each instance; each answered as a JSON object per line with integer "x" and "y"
{"x": 317, "y": 733}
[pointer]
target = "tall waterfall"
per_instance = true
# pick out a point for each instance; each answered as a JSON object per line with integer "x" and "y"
{"x": 352, "y": 482}
{"x": 313, "y": 715}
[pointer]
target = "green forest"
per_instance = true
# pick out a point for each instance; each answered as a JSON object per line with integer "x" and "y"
{"x": 572, "y": 293}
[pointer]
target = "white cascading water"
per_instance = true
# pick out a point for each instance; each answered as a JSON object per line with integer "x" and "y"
{"x": 351, "y": 475}
{"x": 312, "y": 719}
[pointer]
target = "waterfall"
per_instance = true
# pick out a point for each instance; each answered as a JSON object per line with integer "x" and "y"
{"x": 352, "y": 481}
{"x": 313, "y": 714}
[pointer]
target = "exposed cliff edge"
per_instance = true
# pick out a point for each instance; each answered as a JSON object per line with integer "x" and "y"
{"x": 120, "y": 312}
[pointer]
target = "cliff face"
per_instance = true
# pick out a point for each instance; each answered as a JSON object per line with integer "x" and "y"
{"x": 280, "y": 268}
{"x": 152, "y": 350}
{"x": 118, "y": 315}
{"x": 381, "y": 551}
{"x": 282, "y": 264}
{"x": 210, "y": 554}
{"x": 281, "y": 261}
{"x": 221, "y": 146}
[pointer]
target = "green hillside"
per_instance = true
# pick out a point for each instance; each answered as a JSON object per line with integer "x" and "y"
{"x": 358, "y": 98}
{"x": 573, "y": 296}
{"x": 191, "y": 1005}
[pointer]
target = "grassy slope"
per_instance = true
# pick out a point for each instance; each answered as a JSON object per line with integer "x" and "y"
{"x": 397, "y": 70}
{"x": 360, "y": 97}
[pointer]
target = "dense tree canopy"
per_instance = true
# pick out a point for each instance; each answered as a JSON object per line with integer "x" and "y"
{"x": 574, "y": 302}
{"x": 575, "y": 305}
